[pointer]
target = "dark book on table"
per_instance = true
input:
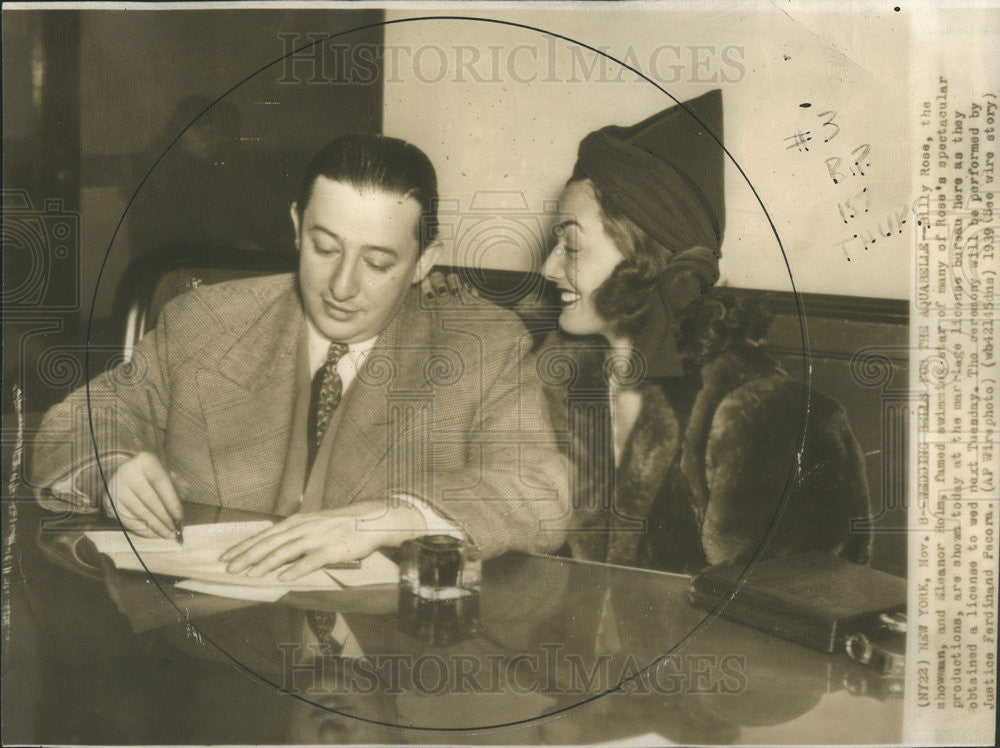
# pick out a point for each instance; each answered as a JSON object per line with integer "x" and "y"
{"x": 816, "y": 599}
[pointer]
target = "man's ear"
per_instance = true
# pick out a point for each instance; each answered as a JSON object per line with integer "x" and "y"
{"x": 427, "y": 260}
{"x": 293, "y": 211}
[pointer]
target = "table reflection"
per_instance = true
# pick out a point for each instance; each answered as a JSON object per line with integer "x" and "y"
{"x": 555, "y": 651}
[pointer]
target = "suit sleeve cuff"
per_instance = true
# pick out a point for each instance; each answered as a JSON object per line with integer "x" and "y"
{"x": 434, "y": 523}
{"x": 82, "y": 488}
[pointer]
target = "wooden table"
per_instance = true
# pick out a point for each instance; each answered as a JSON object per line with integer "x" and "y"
{"x": 563, "y": 652}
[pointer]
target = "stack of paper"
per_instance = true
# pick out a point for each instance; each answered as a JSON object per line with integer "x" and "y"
{"x": 197, "y": 562}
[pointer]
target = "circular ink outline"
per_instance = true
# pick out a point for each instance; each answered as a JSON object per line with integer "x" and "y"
{"x": 794, "y": 469}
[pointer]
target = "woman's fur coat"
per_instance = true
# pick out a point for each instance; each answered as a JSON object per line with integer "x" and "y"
{"x": 712, "y": 469}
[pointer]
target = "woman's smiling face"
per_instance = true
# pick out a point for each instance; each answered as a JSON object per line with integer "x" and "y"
{"x": 583, "y": 257}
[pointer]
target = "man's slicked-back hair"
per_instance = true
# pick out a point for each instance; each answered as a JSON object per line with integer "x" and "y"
{"x": 380, "y": 162}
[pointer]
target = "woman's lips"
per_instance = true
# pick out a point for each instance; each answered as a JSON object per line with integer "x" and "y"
{"x": 569, "y": 297}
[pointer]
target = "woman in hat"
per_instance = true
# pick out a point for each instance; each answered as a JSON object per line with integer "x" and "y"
{"x": 685, "y": 435}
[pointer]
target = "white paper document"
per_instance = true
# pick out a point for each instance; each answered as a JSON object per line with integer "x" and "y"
{"x": 198, "y": 560}
{"x": 222, "y": 535}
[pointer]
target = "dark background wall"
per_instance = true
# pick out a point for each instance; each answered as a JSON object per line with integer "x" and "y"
{"x": 229, "y": 179}
{"x": 117, "y": 144}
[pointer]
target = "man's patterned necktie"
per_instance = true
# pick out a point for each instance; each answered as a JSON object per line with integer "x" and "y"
{"x": 323, "y": 625}
{"x": 327, "y": 388}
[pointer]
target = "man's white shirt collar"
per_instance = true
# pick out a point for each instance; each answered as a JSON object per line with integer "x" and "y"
{"x": 348, "y": 366}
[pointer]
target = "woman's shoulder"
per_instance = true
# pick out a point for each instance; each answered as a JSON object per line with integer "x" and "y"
{"x": 742, "y": 368}
{"x": 755, "y": 394}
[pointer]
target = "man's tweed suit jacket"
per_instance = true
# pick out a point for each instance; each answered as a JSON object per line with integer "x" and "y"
{"x": 445, "y": 408}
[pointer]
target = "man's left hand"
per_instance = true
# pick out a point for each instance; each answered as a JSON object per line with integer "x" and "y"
{"x": 313, "y": 540}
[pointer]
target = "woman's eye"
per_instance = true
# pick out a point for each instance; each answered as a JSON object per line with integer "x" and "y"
{"x": 378, "y": 268}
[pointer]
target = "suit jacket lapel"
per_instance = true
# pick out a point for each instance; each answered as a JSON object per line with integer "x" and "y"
{"x": 247, "y": 404}
{"x": 293, "y": 479}
{"x": 363, "y": 436}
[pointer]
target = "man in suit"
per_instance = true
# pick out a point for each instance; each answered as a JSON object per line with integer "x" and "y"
{"x": 333, "y": 398}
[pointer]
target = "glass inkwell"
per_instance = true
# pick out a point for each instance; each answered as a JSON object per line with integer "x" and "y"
{"x": 439, "y": 589}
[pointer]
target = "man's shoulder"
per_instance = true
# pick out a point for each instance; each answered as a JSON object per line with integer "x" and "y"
{"x": 250, "y": 294}
{"x": 230, "y": 304}
{"x": 461, "y": 320}
{"x": 485, "y": 340}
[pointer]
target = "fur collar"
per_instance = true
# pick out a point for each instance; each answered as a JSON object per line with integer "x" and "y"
{"x": 611, "y": 527}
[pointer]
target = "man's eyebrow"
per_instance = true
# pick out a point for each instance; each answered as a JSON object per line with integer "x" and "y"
{"x": 324, "y": 230}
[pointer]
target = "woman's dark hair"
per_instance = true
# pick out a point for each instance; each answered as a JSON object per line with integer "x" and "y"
{"x": 717, "y": 320}
{"x": 705, "y": 326}
{"x": 376, "y": 161}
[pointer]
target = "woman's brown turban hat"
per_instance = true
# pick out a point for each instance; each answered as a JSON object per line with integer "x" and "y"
{"x": 666, "y": 175}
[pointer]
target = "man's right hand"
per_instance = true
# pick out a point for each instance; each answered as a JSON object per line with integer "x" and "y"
{"x": 144, "y": 497}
